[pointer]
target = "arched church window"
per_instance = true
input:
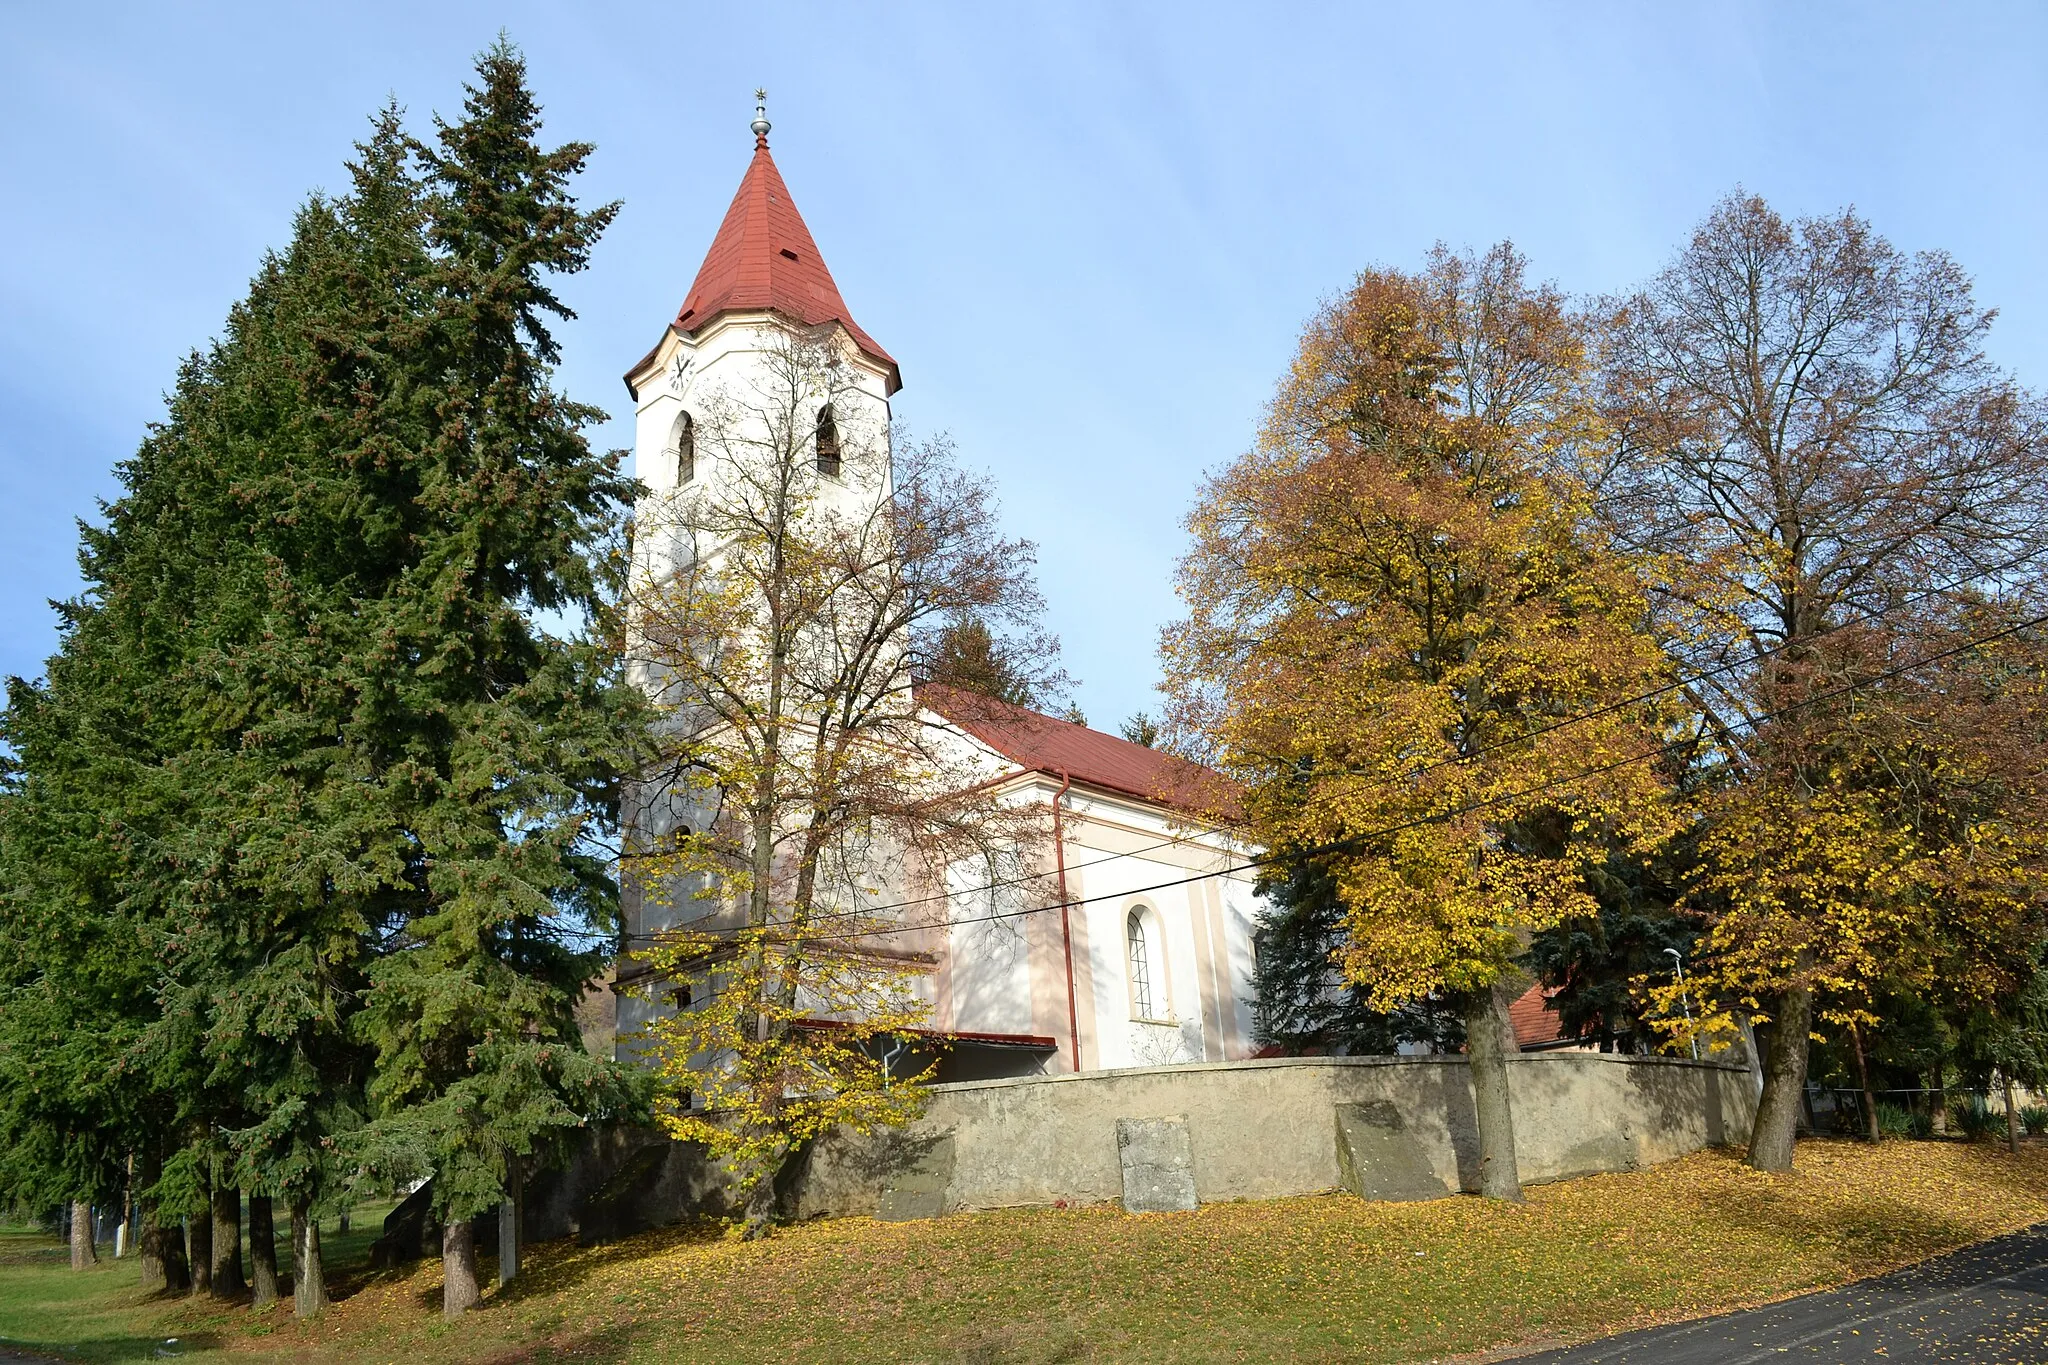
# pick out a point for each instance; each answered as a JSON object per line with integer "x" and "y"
{"x": 828, "y": 443}
{"x": 683, "y": 441}
{"x": 1139, "y": 952}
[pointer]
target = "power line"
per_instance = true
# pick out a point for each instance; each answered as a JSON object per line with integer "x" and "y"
{"x": 1351, "y": 841}
{"x": 1663, "y": 689}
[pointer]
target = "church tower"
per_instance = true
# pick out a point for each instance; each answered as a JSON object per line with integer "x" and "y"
{"x": 763, "y": 284}
{"x": 762, "y": 375}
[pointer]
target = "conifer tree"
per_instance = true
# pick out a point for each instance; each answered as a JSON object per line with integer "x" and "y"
{"x": 485, "y": 749}
{"x": 313, "y": 393}
{"x": 94, "y": 1049}
{"x": 1302, "y": 1004}
{"x": 299, "y": 831}
{"x": 141, "y": 732}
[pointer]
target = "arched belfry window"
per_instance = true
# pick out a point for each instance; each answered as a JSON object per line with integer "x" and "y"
{"x": 1138, "y": 948}
{"x": 828, "y": 442}
{"x": 683, "y": 442}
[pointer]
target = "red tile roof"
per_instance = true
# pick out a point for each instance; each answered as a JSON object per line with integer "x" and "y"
{"x": 763, "y": 258}
{"x": 1536, "y": 1025}
{"x": 1062, "y": 748}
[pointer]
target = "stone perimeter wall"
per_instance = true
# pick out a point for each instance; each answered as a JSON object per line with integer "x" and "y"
{"x": 1165, "y": 1137}
{"x": 1382, "y": 1126}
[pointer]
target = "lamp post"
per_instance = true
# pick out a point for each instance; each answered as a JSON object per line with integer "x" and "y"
{"x": 1684, "y": 1001}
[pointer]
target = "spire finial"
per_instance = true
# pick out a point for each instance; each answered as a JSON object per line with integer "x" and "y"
{"x": 760, "y": 124}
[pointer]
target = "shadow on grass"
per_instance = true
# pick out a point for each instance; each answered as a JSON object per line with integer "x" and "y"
{"x": 556, "y": 1266}
{"x": 1022, "y": 1344}
{"x": 114, "y": 1350}
{"x": 560, "y": 1265}
{"x": 1871, "y": 1231}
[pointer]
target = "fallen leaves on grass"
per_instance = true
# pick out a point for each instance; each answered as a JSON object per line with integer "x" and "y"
{"x": 1319, "y": 1278}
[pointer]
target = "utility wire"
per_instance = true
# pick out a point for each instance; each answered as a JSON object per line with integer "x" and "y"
{"x": 1352, "y": 841}
{"x": 1663, "y": 689}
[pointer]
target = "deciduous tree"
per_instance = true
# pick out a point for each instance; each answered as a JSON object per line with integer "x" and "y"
{"x": 799, "y": 780}
{"x": 1391, "y": 597}
{"x": 1807, "y": 422}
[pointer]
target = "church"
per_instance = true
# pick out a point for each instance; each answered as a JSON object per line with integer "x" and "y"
{"x": 1135, "y": 947}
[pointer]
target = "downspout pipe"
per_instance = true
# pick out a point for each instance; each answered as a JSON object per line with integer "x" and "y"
{"x": 1059, "y": 848}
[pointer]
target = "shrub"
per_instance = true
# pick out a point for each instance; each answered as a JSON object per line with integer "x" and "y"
{"x": 1895, "y": 1120}
{"x": 1974, "y": 1119}
{"x": 2034, "y": 1118}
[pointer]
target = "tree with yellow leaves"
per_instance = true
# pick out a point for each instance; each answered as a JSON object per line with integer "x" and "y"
{"x": 1808, "y": 426}
{"x": 1889, "y": 839}
{"x": 786, "y": 601}
{"x": 1395, "y": 598}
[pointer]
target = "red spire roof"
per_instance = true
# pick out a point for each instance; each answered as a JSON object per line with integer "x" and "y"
{"x": 764, "y": 258}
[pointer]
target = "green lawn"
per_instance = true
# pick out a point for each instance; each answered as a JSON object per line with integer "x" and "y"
{"x": 100, "y": 1315}
{"x": 1324, "y": 1278}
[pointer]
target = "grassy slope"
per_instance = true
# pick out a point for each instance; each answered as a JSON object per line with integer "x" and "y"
{"x": 1322, "y": 1278}
{"x": 99, "y": 1315}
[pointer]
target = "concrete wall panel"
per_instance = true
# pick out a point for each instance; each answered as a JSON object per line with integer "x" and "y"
{"x": 1254, "y": 1130}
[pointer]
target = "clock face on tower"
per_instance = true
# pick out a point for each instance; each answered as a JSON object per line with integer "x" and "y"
{"x": 679, "y": 374}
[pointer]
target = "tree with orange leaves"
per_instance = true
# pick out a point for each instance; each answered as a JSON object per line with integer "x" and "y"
{"x": 1394, "y": 599}
{"x": 1889, "y": 839}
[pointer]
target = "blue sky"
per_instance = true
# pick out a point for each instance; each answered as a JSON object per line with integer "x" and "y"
{"x": 1089, "y": 232}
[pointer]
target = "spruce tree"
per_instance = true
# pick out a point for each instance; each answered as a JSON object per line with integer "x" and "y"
{"x": 486, "y": 749}
{"x": 1301, "y": 1003}
{"x": 276, "y": 963}
{"x": 298, "y": 832}
{"x": 95, "y": 1051}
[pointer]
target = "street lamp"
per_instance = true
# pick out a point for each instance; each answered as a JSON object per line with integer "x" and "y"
{"x": 1684, "y": 1001}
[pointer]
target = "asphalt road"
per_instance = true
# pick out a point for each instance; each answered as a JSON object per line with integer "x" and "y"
{"x": 1986, "y": 1303}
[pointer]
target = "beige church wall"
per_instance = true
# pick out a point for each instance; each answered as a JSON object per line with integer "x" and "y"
{"x": 1206, "y": 928}
{"x": 988, "y": 954}
{"x": 1266, "y": 1129}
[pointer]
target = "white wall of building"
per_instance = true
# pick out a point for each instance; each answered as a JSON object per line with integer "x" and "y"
{"x": 997, "y": 970}
{"x": 723, "y": 378}
{"x": 1124, "y": 855}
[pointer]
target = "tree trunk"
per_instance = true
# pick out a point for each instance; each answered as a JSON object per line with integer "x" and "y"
{"x": 1938, "y": 1120}
{"x": 2012, "y": 1114}
{"x": 760, "y": 1207}
{"x": 124, "y": 1231}
{"x": 83, "y": 1256}
{"x": 262, "y": 1251}
{"x": 1777, "y": 1112}
{"x": 1489, "y": 1041}
{"x": 309, "y": 1276}
{"x": 228, "y": 1282}
{"x": 199, "y": 1250}
{"x": 162, "y": 1248}
{"x": 459, "y": 1292}
{"x": 508, "y": 1231}
{"x": 1870, "y": 1123}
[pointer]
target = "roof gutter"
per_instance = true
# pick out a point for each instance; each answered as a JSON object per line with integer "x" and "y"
{"x": 1059, "y": 847}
